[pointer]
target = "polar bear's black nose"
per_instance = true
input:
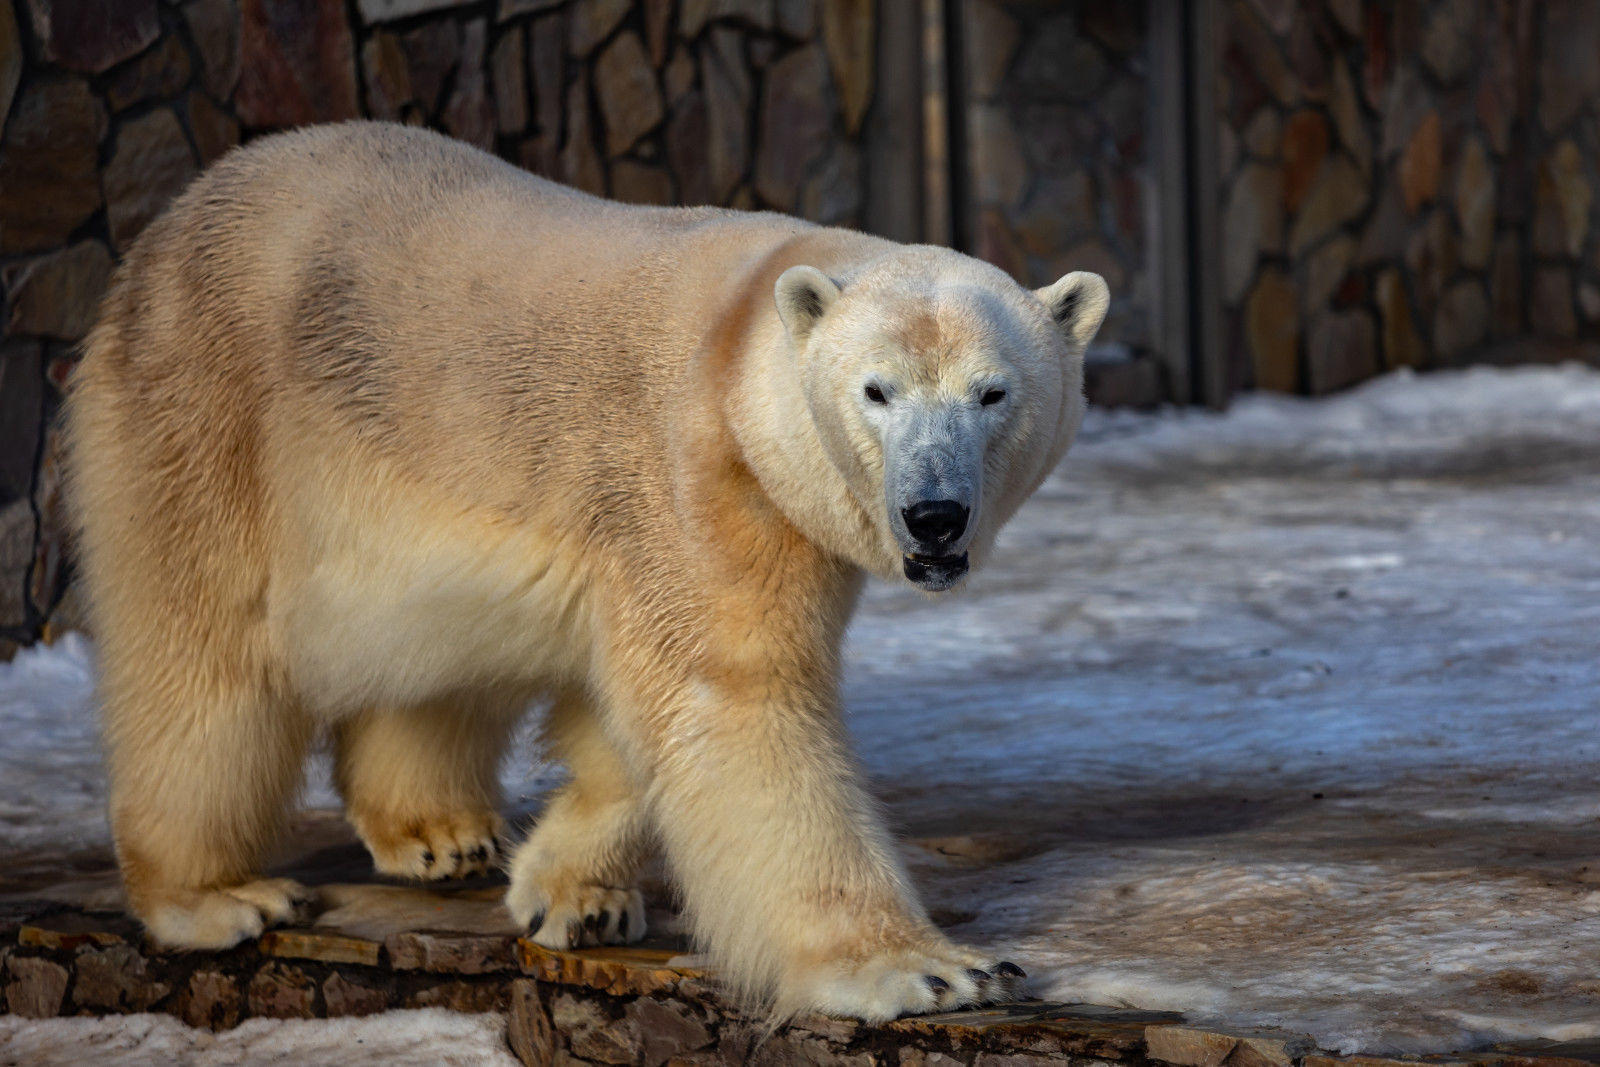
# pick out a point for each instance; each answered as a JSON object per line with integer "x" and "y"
{"x": 935, "y": 522}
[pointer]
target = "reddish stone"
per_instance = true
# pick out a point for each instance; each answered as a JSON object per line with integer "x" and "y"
{"x": 297, "y": 63}
{"x": 1305, "y": 146}
{"x": 211, "y": 1001}
{"x": 93, "y": 35}
{"x": 35, "y": 988}
{"x": 49, "y": 165}
{"x": 151, "y": 164}
{"x": 1420, "y": 163}
{"x": 282, "y": 992}
{"x": 795, "y": 126}
{"x": 341, "y": 996}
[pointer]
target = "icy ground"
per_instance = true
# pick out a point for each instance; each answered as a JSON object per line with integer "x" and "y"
{"x": 1284, "y": 716}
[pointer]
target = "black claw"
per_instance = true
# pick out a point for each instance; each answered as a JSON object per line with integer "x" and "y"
{"x": 603, "y": 923}
{"x": 536, "y": 922}
{"x": 937, "y": 984}
{"x": 480, "y": 854}
{"x": 455, "y": 856}
{"x": 622, "y": 925}
{"x": 1010, "y": 970}
{"x": 427, "y": 857}
{"x": 977, "y": 976}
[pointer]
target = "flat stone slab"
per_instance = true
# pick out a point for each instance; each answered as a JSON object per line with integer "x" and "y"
{"x": 379, "y": 947}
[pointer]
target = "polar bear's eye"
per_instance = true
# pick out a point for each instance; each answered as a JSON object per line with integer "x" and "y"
{"x": 993, "y": 396}
{"x": 875, "y": 395}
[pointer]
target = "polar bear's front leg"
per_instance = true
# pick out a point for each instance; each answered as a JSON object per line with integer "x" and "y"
{"x": 572, "y": 881}
{"x": 791, "y": 882}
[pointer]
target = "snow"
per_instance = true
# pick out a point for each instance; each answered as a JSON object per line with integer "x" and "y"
{"x": 428, "y": 1037}
{"x": 1279, "y": 716}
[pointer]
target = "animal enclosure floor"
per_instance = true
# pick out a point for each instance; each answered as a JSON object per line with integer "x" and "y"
{"x": 1284, "y": 716}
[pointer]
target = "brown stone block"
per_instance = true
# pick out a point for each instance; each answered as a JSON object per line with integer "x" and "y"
{"x": 450, "y": 953}
{"x": 214, "y": 130}
{"x": 728, "y": 100}
{"x": 1000, "y": 173}
{"x": 469, "y": 997}
{"x": 625, "y": 86}
{"x": 49, "y": 164}
{"x": 214, "y": 25}
{"x": 43, "y": 937}
{"x": 57, "y": 295}
{"x": 387, "y": 74}
{"x": 1305, "y": 147}
{"x": 1252, "y": 224}
{"x": 1272, "y": 331}
{"x": 341, "y": 996}
{"x": 432, "y": 51}
{"x": 1474, "y": 200}
{"x": 35, "y": 988}
{"x": 795, "y": 125}
{"x": 591, "y": 22}
{"x": 640, "y": 183}
{"x": 327, "y": 948}
{"x": 93, "y": 35}
{"x": 1420, "y": 163}
{"x": 163, "y": 71}
{"x": 510, "y": 82}
{"x": 1550, "y": 308}
{"x": 115, "y": 979}
{"x": 468, "y": 115}
{"x": 151, "y": 164}
{"x": 1338, "y": 196}
{"x": 10, "y": 59}
{"x": 528, "y": 1029}
{"x": 1460, "y": 321}
{"x": 849, "y": 34}
{"x": 694, "y": 14}
{"x": 1569, "y": 77}
{"x": 1195, "y": 1047}
{"x": 1402, "y": 347}
{"x": 1562, "y": 198}
{"x": 297, "y": 63}
{"x": 210, "y": 1001}
{"x": 580, "y": 160}
{"x": 282, "y": 992}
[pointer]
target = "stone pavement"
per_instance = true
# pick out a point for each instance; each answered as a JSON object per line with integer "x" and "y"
{"x": 376, "y": 947}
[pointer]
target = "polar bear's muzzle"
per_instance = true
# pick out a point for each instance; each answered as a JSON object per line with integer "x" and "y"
{"x": 934, "y": 573}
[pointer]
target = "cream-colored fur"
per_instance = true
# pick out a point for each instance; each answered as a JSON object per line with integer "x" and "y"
{"x": 380, "y": 436}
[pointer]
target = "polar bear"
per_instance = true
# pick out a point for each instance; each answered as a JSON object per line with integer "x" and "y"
{"x": 381, "y": 438}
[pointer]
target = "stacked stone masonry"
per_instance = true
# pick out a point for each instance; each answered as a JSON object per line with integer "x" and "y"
{"x": 1405, "y": 184}
{"x": 634, "y": 1006}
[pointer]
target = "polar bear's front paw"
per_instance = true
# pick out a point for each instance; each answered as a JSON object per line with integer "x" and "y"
{"x": 909, "y": 983}
{"x": 218, "y": 919}
{"x": 579, "y": 917}
{"x": 452, "y": 845}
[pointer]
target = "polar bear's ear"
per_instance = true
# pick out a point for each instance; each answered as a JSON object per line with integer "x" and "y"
{"x": 1078, "y": 303}
{"x": 804, "y": 295}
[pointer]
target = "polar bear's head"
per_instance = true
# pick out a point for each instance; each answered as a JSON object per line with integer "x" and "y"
{"x": 943, "y": 393}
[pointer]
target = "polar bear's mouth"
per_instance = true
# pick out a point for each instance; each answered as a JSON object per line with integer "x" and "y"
{"x": 934, "y": 573}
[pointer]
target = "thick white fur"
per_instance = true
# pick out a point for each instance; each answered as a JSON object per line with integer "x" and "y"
{"x": 380, "y": 436}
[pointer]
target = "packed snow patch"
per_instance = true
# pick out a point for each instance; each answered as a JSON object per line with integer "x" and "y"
{"x": 1279, "y": 716}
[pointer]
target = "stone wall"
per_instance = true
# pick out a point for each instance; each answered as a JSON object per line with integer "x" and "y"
{"x": 109, "y": 109}
{"x": 1406, "y": 184}
{"x": 1058, "y": 175}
